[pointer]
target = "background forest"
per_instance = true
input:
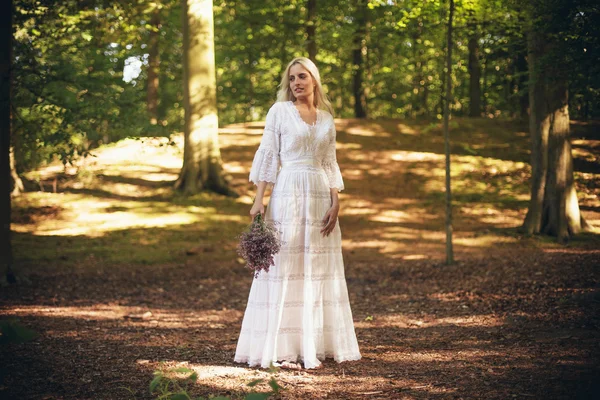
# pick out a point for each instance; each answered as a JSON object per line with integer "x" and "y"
{"x": 91, "y": 72}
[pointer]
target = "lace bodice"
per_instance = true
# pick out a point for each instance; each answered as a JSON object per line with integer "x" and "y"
{"x": 287, "y": 138}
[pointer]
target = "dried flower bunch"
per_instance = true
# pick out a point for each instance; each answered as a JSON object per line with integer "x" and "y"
{"x": 259, "y": 244}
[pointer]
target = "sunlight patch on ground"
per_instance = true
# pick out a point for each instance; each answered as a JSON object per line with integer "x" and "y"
{"x": 394, "y": 216}
{"x": 235, "y": 167}
{"x": 439, "y": 355}
{"x": 363, "y": 131}
{"x": 137, "y": 316}
{"x": 484, "y": 241}
{"x": 86, "y": 214}
{"x": 158, "y": 177}
{"x": 221, "y": 378}
{"x": 404, "y": 322}
{"x": 142, "y": 150}
{"x": 93, "y": 217}
{"x": 246, "y": 199}
{"x": 415, "y": 257}
{"x": 407, "y": 130}
{"x": 411, "y": 156}
{"x": 348, "y": 146}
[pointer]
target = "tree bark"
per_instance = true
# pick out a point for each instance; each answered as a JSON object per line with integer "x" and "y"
{"x": 6, "y": 259}
{"x": 521, "y": 66}
{"x": 474, "y": 77}
{"x": 360, "y": 49}
{"x": 553, "y": 208}
{"x": 16, "y": 184}
{"x": 202, "y": 166}
{"x": 153, "y": 67}
{"x": 311, "y": 30}
{"x": 449, "y": 229}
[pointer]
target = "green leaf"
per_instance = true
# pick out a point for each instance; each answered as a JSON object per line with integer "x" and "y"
{"x": 158, "y": 377}
{"x": 193, "y": 377}
{"x": 182, "y": 370}
{"x": 180, "y": 396}
{"x": 274, "y": 385}
{"x": 255, "y": 382}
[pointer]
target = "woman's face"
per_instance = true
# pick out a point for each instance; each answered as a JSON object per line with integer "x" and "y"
{"x": 302, "y": 83}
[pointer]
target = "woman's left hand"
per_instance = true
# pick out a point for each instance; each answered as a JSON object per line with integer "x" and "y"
{"x": 330, "y": 220}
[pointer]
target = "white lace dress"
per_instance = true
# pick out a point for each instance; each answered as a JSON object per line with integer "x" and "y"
{"x": 299, "y": 310}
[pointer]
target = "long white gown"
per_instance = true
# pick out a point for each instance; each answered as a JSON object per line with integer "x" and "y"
{"x": 299, "y": 310}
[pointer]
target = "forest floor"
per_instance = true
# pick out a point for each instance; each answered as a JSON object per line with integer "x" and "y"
{"x": 121, "y": 277}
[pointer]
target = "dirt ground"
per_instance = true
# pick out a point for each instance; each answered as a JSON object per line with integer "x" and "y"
{"x": 513, "y": 318}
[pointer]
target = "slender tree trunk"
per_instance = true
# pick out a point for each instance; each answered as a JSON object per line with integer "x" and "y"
{"x": 6, "y": 260}
{"x": 16, "y": 184}
{"x": 153, "y": 67}
{"x": 248, "y": 116}
{"x": 553, "y": 207}
{"x": 449, "y": 229}
{"x": 484, "y": 86}
{"x": 415, "y": 103}
{"x": 474, "y": 77}
{"x": 311, "y": 30}
{"x": 523, "y": 95}
{"x": 360, "y": 49}
{"x": 202, "y": 165}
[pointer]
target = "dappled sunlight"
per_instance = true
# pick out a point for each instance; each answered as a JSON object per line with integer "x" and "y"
{"x": 493, "y": 216}
{"x": 136, "y": 316}
{"x": 232, "y": 378}
{"x": 400, "y": 320}
{"x": 411, "y": 156}
{"x": 391, "y": 216}
{"x": 158, "y": 150}
{"x": 407, "y": 130}
{"x": 361, "y": 131}
{"x": 449, "y": 356}
{"x": 84, "y": 215}
{"x": 347, "y": 146}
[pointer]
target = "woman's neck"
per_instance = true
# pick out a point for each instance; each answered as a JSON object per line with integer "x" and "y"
{"x": 307, "y": 102}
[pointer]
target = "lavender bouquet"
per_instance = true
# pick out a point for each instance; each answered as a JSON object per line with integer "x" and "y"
{"x": 259, "y": 244}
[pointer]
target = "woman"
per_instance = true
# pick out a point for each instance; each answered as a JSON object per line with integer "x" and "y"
{"x": 299, "y": 310}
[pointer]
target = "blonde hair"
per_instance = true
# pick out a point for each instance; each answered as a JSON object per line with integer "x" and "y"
{"x": 285, "y": 93}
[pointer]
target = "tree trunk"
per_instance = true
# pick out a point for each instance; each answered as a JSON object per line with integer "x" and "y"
{"x": 311, "y": 30}
{"x": 521, "y": 66}
{"x": 553, "y": 208}
{"x": 16, "y": 184}
{"x": 415, "y": 103}
{"x": 449, "y": 229}
{"x": 484, "y": 105}
{"x": 202, "y": 166}
{"x": 360, "y": 49}
{"x": 474, "y": 77}
{"x": 6, "y": 260}
{"x": 153, "y": 67}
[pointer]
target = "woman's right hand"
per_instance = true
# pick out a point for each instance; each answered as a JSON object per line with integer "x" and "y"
{"x": 257, "y": 208}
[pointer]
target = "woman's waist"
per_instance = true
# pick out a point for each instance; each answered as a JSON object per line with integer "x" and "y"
{"x": 301, "y": 162}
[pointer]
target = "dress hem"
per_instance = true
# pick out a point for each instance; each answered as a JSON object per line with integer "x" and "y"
{"x": 292, "y": 358}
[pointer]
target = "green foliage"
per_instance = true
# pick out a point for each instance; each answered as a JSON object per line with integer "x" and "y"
{"x": 70, "y": 92}
{"x": 11, "y": 331}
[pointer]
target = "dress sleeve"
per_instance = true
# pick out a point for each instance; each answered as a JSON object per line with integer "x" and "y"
{"x": 266, "y": 160}
{"x": 330, "y": 164}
